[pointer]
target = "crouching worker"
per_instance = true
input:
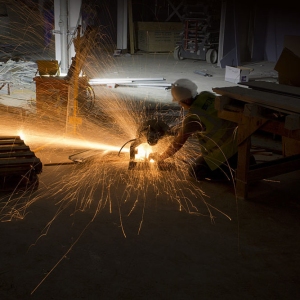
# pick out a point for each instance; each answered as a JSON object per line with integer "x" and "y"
{"x": 218, "y": 147}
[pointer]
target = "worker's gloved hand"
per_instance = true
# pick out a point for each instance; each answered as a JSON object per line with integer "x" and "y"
{"x": 154, "y": 156}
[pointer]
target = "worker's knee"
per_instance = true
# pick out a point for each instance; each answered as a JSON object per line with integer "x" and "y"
{"x": 199, "y": 170}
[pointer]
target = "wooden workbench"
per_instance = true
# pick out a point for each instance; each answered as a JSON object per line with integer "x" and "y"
{"x": 256, "y": 109}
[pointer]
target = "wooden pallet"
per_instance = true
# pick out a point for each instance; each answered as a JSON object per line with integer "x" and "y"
{"x": 18, "y": 164}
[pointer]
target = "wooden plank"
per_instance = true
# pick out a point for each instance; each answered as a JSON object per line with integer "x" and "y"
{"x": 15, "y": 170}
{"x": 243, "y": 168}
{"x": 10, "y": 137}
{"x": 279, "y": 128}
{"x": 11, "y": 142}
{"x": 12, "y": 148}
{"x": 271, "y": 126}
{"x": 272, "y": 87}
{"x": 19, "y": 161}
{"x": 16, "y": 158}
{"x": 230, "y": 116}
{"x": 248, "y": 126}
{"x": 276, "y": 102}
{"x": 274, "y": 168}
{"x": 221, "y": 102}
{"x": 17, "y": 154}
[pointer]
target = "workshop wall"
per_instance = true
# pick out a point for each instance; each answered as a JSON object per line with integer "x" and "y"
{"x": 282, "y": 22}
{"x": 256, "y": 31}
{"x": 21, "y": 25}
{"x": 25, "y": 23}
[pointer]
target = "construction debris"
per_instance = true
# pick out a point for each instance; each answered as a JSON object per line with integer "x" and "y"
{"x": 132, "y": 82}
{"x": 17, "y": 88}
{"x": 18, "y": 72}
{"x": 203, "y": 73}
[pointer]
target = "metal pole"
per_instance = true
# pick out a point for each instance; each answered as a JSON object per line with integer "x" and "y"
{"x": 63, "y": 24}
{"x": 122, "y": 25}
{"x": 74, "y": 20}
{"x": 57, "y": 31}
{"x": 222, "y": 33}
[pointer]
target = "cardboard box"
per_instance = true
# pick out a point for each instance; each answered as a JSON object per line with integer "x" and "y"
{"x": 288, "y": 66}
{"x": 158, "y": 36}
{"x": 236, "y": 75}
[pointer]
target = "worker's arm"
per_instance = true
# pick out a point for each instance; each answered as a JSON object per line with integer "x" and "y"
{"x": 178, "y": 142}
{"x": 190, "y": 126}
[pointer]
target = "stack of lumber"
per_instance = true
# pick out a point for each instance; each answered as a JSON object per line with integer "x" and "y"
{"x": 18, "y": 164}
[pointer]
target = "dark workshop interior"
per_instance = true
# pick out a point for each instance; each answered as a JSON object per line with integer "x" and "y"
{"x": 86, "y": 209}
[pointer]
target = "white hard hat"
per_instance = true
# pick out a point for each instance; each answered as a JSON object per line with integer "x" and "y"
{"x": 183, "y": 89}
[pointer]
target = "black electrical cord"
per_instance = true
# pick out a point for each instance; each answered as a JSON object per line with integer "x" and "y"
{"x": 125, "y": 145}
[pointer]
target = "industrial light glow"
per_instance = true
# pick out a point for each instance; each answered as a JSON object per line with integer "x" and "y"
{"x": 143, "y": 151}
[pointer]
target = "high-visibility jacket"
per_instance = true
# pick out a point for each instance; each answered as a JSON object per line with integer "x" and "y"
{"x": 216, "y": 136}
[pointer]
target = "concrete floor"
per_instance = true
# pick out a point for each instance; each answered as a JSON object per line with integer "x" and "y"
{"x": 96, "y": 231}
